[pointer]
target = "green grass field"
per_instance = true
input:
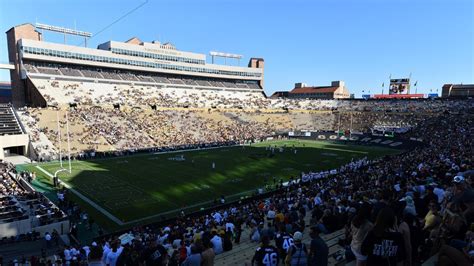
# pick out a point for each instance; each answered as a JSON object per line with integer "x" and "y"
{"x": 139, "y": 186}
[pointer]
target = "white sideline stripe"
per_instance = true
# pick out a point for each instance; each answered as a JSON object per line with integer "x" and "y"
{"x": 118, "y": 221}
{"x": 84, "y": 198}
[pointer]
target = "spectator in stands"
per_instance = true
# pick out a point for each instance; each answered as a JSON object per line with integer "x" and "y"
{"x": 359, "y": 228}
{"x": 217, "y": 244}
{"x": 297, "y": 253}
{"x": 448, "y": 150}
{"x": 207, "y": 254}
{"x": 318, "y": 250}
{"x": 48, "y": 240}
{"x": 194, "y": 259}
{"x": 266, "y": 254}
{"x": 383, "y": 245}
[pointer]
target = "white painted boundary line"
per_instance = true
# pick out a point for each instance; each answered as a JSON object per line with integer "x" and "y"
{"x": 84, "y": 198}
{"x": 142, "y": 154}
{"x": 108, "y": 214}
{"x": 111, "y": 216}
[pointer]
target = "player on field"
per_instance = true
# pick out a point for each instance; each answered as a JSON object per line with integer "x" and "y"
{"x": 266, "y": 254}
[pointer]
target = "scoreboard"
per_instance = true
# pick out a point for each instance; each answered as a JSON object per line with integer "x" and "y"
{"x": 399, "y": 86}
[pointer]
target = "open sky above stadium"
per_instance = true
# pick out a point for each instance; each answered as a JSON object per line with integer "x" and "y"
{"x": 362, "y": 42}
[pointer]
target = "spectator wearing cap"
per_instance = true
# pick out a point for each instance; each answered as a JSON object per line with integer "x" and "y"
{"x": 298, "y": 253}
{"x": 409, "y": 205}
{"x": 463, "y": 194}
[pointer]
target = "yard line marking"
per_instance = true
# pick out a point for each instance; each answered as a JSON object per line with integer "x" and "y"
{"x": 84, "y": 198}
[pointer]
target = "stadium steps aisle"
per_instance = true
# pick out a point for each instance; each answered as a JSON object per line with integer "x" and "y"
{"x": 242, "y": 254}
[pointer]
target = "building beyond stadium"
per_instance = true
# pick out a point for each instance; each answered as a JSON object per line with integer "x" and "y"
{"x": 337, "y": 90}
{"x": 133, "y": 61}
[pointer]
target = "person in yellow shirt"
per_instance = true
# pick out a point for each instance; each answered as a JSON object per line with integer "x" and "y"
{"x": 432, "y": 218}
{"x": 279, "y": 218}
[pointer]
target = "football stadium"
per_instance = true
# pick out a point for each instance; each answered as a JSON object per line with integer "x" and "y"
{"x": 139, "y": 152}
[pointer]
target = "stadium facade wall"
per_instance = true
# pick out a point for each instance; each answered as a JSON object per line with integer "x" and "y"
{"x": 24, "y": 226}
{"x": 8, "y": 141}
{"x": 103, "y": 53}
{"x": 24, "y": 31}
{"x": 35, "y": 98}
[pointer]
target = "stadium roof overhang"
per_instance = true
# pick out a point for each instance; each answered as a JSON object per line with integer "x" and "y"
{"x": 7, "y": 66}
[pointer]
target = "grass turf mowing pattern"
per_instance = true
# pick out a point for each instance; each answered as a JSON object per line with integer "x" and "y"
{"x": 139, "y": 186}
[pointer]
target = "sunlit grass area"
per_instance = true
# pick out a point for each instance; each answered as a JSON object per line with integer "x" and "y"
{"x": 138, "y": 186}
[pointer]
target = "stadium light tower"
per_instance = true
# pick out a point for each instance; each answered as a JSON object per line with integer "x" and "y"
{"x": 225, "y": 56}
{"x": 65, "y": 31}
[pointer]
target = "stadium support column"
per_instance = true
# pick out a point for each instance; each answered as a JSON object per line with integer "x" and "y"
{"x": 19, "y": 87}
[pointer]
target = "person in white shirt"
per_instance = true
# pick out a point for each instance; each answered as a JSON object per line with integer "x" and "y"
{"x": 87, "y": 250}
{"x": 229, "y": 226}
{"x": 217, "y": 217}
{"x": 318, "y": 200}
{"x": 106, "y": 250}
{"x": 67, "y": 254}
{"x": 440, "y": 193}
{"x": 271, "y": 215}
{"x": 216, "y": 241}
{"x": 113, "y": 255}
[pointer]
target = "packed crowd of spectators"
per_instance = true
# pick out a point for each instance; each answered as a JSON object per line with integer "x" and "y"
{"x": 400, "y": 208}
{"x": 100, "y": 128}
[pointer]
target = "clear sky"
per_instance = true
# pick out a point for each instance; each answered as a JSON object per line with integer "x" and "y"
{"x": 362, "y": 42}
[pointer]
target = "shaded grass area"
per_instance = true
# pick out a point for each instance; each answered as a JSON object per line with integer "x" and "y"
{"x": 138, "y": 186}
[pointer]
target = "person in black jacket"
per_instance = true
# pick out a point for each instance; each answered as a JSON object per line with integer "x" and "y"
{"x": 383, "y": 245}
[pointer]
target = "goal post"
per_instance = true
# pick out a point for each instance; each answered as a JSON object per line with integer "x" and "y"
{"x": 60, "y": 146}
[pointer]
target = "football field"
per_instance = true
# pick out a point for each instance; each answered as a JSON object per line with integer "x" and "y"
{"x": 145, "y": 186}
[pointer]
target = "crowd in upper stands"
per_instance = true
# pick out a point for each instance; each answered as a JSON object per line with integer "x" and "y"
{"x": 401, "y": 208}
{"x": 102, "y": 128}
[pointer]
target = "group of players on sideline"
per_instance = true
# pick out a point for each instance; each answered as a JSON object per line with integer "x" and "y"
{"x": 399, "y": 209}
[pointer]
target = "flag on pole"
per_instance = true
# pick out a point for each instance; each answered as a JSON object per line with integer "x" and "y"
{"x": 383, "y": 84}
{"x": 416, "y": 82}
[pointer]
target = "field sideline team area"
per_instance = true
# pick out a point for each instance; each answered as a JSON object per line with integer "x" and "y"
{"x": 135, "y": 187}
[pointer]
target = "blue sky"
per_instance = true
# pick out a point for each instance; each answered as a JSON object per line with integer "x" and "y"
{"x": 359, "y": 41}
